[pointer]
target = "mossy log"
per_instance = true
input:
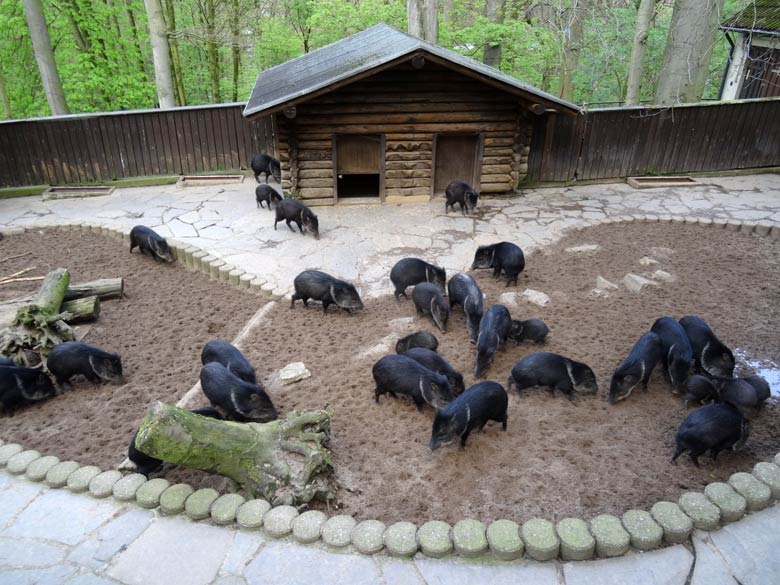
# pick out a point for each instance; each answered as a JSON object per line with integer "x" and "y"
{"x": 285, "y": 461}
{"x": 82, "y": 309}
{"x": 105, "y": 288}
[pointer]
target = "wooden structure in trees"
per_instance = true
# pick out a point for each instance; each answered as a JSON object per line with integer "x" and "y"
{"x": 384, "y": 115}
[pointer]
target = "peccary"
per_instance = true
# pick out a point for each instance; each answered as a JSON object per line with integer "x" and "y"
{"x": 74, "y": 358}
{"x": 397, "y": 374}
{"x": 319, "y": 286}
{"x": 471, "y": 410}
{"x": 418, "y": 339}
{"x": 266, "y": 194}
{"x": 428, "y": 301}
{"x": 493, "y": 332}
{"x": 636, "y": 368}
{"x": 410, "y": 271}
{"x": 554, "y": 371}
{"x": 150, "y": 243}
{"x": 744, "y": 395}
{"x": 241, "y": 401}
{"x": 22, "y": 386}
{"x": 263, "y": 163}
{"x": 293, "y": 210}
{"x": 534, "y": 330}
{"x": 713, "y": 427}
{"x": 463, "y": 193}
{"x": 219, "y": 350}
{"x": 699, "y": 389}
{"x": 504, "y": 256}
{"x": 463, "y": 290}
{"x": 435, "y": 363}
{"x": 763, "y": 390}
{"x": 676, "y": 352}
{"x": 710, "y": 354}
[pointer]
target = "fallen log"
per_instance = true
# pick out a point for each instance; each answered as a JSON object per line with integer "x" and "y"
{"x": 105, "y": 288}
{"x": 82, "y": 310}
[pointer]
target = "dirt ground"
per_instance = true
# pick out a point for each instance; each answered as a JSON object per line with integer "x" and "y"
{"x": 557, "y": 458}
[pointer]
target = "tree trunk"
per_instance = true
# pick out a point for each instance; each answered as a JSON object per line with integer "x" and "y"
{"x": 285, "y": 461}
{"x": 492, "y": 53}
{"x": 105, "y": 288}
{"x": 52, "y": 291}
{"x": 178, "y": 79}
{"x": 39, "y": 33}
{"x": 636, "y": 66}
{"x": 572, "y": 45}
{"x": 212, "y": 51}
{"x": 160, "y": 53}
{"x": 7, "y": 113}
{"x": 82, "y": 310}
{"x": 423, "y": 19}
{"x": 688, "y": 51}
{"x": 236, "y": 49}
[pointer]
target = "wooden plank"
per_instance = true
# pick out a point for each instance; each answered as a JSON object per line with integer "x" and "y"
{"x": 315, "y": 174}
{"x": 769, "y": 136}
{"x": 107, "y": 132}
{"x": 315, "y": 164}
{"x": 408, "y": 192}
{"x": 103, "y": 152}
{"x": 314, "y": 193}
{"x": 88, "y": 152}
{"x": 404, "y": 183}
{"x": 696, "y": 160}
{"x": 7, "y": 163}
{"x": 194, "y": 157}
{"x": 445, "y": 117}
{"x": 313, "y": 183}
{"x": 205, "y": 142}
{"x": 140, "y": 147}
{"x": 724, "y": 136}
{"x": 152, "y": 151}
{"x": 681, "y": 141}
{"x": 208, "y": 141}
{"x": 165, "y": 145}
{"x": 407, "y": 165}
{"x": 741, "y": 158}
{"x": 314, "y": 110}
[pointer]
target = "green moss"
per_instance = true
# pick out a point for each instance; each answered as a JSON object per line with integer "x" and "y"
{"x": 10, "y": 192}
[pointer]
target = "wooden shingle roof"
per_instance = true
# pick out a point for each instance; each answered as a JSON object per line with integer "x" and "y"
{"x": 761, "y": 16}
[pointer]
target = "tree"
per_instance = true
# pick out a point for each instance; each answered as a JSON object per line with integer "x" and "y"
{"x": 636, "y": 66}
{"x": 160, "y": 53}
{"x": 4, "y": 97}
{"x": 572, "y": 45}
{"x": 423, "y": 19}
{"x": 39, "y": 33}
{"x": 236, "y": 48}
{"x": 492, "y": 53}
{"x": 212, "y": 50}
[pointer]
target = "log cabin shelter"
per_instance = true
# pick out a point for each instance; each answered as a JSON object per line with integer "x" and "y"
{"x": 382, "y": 116}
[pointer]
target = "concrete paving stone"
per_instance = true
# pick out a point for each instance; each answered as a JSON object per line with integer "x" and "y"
{"x": 198, "y": 504}
{"x": 668, "y": 566}
{"x": 307, "y": 527}
{"x": 757, "y": 494}
{"x": 448, "y": 573}
{"x": 577, "y": 543}
{"x": 769, "y": 474}
{"x": 19, "y": 462}
{"x": 19, "y": 552}
{"x": 504, "y": 540}
{"x": 645, "y": 532}
{"x": 469, "y": 539}
{"x": 541, "y": 541}
{"x": 225, "y": 507}
{"x": 675, "y": 524}
{"x": 277, "y": 522}
{"x": 401, "y": 539}
{"x": 173, "y": 551}
{"x": 111, "y": 538}
{"x": 698, "y": 507}
{"x": 367, "y": 537}
{"x": 398, "y": 572}
{"x": 732, "y": 505}
{"x": 230, "y": 580}
{"x": 612, "y": 540}
{"x": 709, "y": 568}
{"x": 78, "y": 480}
{"x": 7, "y": 451}
{"x": 173, "y": 499}
{"x": 337, "y": 530}
{"x": 250, "y": 514}
{"x": 89, "y": 579}
{"x": 435, "y": 539}
{"x": 49, "y": 576}
{"x": 242, "y": 550}
{"x": 102, "y": 484}
{"x": 125, "y": 489}
{"x": 148, "y": 495}
{"x": 38, "y": 469}
{"x": 186, "y": 255}
{"x": 16, "y": 496}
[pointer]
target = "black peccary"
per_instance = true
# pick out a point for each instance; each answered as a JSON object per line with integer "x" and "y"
{"x": 428, "y": 301}
{"x": 263, "y": 163}
{"x": 463, "y": 290}
{"x": 700, "y": 389}
{"x": 293, "y": 210}
{"x": 397, "y": 374}
{"x": 264, "y": 193}
{"x": 710, "y": 354}
{"x": 74, "y": 358}
{"x": 241, "y": 401}
{"x": 410, "y": 271}
{"x": 676, "y": 351}
{"x": 435, "y": 363}
{"x": 227, "y": 354}
{"x": 636, "y": 368}
{"x": 712, "y": 428}
{"x": 145, "y": 464}
{"x": 21, "y": 386}
{"x": 418, "y": 339}
{"x": 471, "y": 410}
{"x": 554, "y": 371}
{"x": 150, "y": 243}
{"x": 763, "y": 391}
{"x": 746, "y": 396}
{"x": 4, "y": 361}
{"x": 493, "y": 332}
{"x": 534, "y": 330}
{"x": 319, "y": 286}
{"x": 504, "y": 256}
{"x": 462, "y": 193}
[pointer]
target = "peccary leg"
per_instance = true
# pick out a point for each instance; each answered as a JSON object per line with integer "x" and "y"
{"x": 463, "y": 438}
{"x": 289, "y": 226}
{"x": 503, "y": 422}
{"x": 275, "y": 222}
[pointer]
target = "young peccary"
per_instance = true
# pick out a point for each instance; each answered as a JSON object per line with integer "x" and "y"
{"x": 397, "y": 374}
{"x": 699, "y": 389}
{"x": 293, "y": 210}
{"x": 713, "y": 427}
{"x": 267, "y": 194}
{"x": 319, "y": 286}
{"x": 462, "y": 193}
{"x": 676, "y": 352}
{"x": 504, "y": 256}
{"x": 219, "y": 350}
{"x": 241, "y": 401}
{"x": 22, "y": 386}
{"x": 534, "y": 330}
{"x": 554, "y": 371}
{"x": 150, "y": 243}
{"x": 435, "y": 363}
{"x": 710, "y": 354}
{"x": 418, "y": 339}
{"x": 410, "y": 271}
{"x": 463, "y": 290}
{"x": 747, "y": 395}
{"x": 263, "y": 163}
{"x": 636, "y": 368}
{"x": 428, "y": 301}
{"x": 471, "y": 410}
{"x": 493, "y": 332}
{"x": 74, "y": 358}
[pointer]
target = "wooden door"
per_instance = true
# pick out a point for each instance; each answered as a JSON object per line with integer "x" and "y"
{"x": 457, "y": 158}
{"x": 359, "y": 163}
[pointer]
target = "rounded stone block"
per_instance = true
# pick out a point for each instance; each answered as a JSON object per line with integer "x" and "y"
{"x": 7, "y": 451}
{"x": 434, "y": 539}
{"x": 704, "y": 514}
{"x": 278, "y": 521}
{"x": 102, "y": 484}
{"x": 612, "y": 540}
{"x": 148, "y": 495}
{"x": 38, "y": 469}
{"x": 57, "y": 476}
{"x": 774, "y": 233}
{"x": 401, "y": 539}
{"x": 705, "y": 221}
{"x": 469, "y": 539}
{"x": 367, "y": 537}
{"x": 777, "y": 459}
{"x": 337, "y": 531}
{"x": 235, "y": 274}
{"x": 188, "y": 253}
{"x": 18, "y": 463}
{"x": 541, "y": 541}
{"x": 197, "y": 259}
{"x": 645, "y": 532}
{"x": 307, "y": 527}
{"x": 733, "y": 225}
{"x": 250, "y": 514}
{"x": 762, "y": 228}
{"x": 214, "y": 267}
{"x": 504, "y": 540}
{"x": 79, "y": 480}
{"x": 732, "y": 505}
{"x": 205, "y": 263}
{"x": 125, "y": 489}
{"x": 223, "y": 273}
{"x": 225, "y": 508}
{"x": 198, "y": 505}
{"x": 675, "y": 524}
{"x": 678, "y": 219}
{"x": 757, "y": 495}
{"x": 691, "y": 220}
{"x": 245, "y": 279}
{"x": 719, "y": 223}
{"x": 577, "y": 543}
{"x": 747, "y": 227}
{"x": 172, "y": 500}
{"x": 257, "y": 284}
{"x": 769, "y": 473}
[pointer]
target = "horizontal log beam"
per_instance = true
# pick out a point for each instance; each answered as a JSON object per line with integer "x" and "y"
{"x": 404, "y": 165}
{"x": 314, "y": 193}
{"x": 444, "y": 117}
{"x": 408, "y": 174}
{"x": 408, "y": 192}
{"x": 313, "y": 183}
{"x": 315, "y": 174}
{"x": 422, "y": 107}
{"x": 403, "y": 183}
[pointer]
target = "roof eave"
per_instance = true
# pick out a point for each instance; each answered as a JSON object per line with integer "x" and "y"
{"x": 774, "y": 33}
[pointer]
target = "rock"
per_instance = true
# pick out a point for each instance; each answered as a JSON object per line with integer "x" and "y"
{"x": 661, "y": 253}
{"x": 198, "y": 504}
{"x": 78, "y": 480}
{"x": 584, "y": 248}
{"x": 225, "y": 508}
{"x": 125, "y": 489}
{"x": 536, "y": 297}
{"x": 603, "y": 284}
{"x": 663, "y": 276}
{"x": 38, "y": 469}
{"x": 647, "y": 261}
{"x": 293, "y": 372}
{"x": 102, "y": 485}
{"x": 508, "y": 299}
{"x": 148, "y": 495}
{"x": 21, "y": 461}
{"x": 636, "y": 283}
{"x": 401, "y": 323}
{"x": 9, "y": 450}
{"x": 172, "y": 499}
{"x": 57, "y": 476}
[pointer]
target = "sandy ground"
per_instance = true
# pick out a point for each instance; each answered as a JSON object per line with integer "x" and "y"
{"x": 557, "y": 458}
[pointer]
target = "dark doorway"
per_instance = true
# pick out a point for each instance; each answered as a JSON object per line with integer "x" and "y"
{"x": 358, "y": 185}
{"x": 359, "y": 165}
{"x": 457, "y": 158}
